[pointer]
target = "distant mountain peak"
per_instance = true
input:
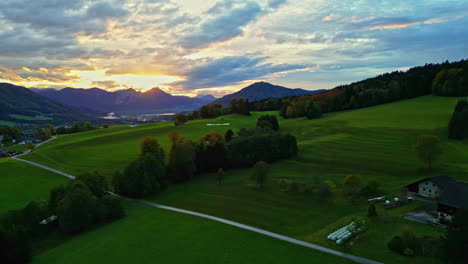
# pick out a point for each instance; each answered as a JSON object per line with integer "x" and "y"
{"x": 155, "y": 90}
{"x": 262, "y": 90}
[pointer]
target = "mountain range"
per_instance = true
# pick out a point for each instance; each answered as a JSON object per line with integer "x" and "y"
{"x": 263, "y": 90}
{"x": 19, "y": 104}
{"x": 69, "y": 104}
{"x": 125, "y": 102}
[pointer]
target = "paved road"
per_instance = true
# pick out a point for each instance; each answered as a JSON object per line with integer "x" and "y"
{"x": 217, "y": 219}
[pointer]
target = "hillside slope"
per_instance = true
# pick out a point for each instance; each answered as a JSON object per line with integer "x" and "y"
{"x": 20, "y": 104}
{"x": 263, "y": 90}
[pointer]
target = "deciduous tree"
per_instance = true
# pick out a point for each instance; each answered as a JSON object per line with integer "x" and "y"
{"x": 428, "y": 149}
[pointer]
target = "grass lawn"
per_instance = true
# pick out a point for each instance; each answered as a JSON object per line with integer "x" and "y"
{"x": 374, "y": 142}
{"x": 150, "y": 235}
{"x": 21, "y": 183}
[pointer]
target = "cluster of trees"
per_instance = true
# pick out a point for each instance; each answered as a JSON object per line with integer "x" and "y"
{"x": 304, "y": 106}
{"x": 75, "y": 128}
{"x": 45, "y": 133}
{"x": 323, "y": 190}
{"x": 84, "y": 203}
{"x": 354, "y": 189}
{"x": 236, "y": 106}
{"x": 458, "y": 125}
{"x": 213, "y": 152}
{"x": 10, "y": 134}
{"x": 145, "y": 175}
{"x": 452, "y": 81}
{"x": 268, "y": 121}
{"x": 260, "y": 144}
{"x": 180, "y": 118}
{"x": 70, "y": 209}
{"x": 407, "y": 243}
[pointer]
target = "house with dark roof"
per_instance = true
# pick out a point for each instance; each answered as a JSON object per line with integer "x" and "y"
{"x": 4, "y": 153}
{"x": 430, "y": 187}
{"x": 453, "y": 198}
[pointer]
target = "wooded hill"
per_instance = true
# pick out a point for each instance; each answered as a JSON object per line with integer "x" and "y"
{"x": 445, "y": 79}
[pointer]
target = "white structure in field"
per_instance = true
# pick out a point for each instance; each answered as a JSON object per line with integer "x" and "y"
{"x": 225, "y": 124}
{"x": 429, "y": 187}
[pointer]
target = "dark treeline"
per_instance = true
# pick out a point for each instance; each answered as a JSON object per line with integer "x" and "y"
{"x": 458, "y": 125}
{"x": 236, "y": 106}
{"x": 75, "y": 128}
{"x": 213, "y": 152}
{"x": 71, "y": 209}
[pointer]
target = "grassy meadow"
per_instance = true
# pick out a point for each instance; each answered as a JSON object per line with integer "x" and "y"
{"x": 150, "y": 235}
{"x": 21, "y": 183}
{"x": 374, "y": 142}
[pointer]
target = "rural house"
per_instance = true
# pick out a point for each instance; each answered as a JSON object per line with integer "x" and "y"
{"x": 4, "y": 153}
{"x": 453, "y": 198}
{"x": 430, "y": 187}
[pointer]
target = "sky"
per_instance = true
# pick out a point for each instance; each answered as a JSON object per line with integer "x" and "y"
{"x": 197, "y": 47}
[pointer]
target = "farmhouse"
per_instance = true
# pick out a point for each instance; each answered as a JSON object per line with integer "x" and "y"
{"x": 4, "y": 153}
{"x": 454, "y": 197}
{"x": 430, "y": 187}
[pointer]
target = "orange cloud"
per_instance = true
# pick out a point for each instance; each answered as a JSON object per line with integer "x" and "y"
{"x": 403, "y": 25}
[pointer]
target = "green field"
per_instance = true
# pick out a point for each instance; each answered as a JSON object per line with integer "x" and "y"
{"x": 6, "y": 123}
{"x": 21, "y": 183}
{"x": 30, "y": 118}
{"x": 375, "y": 142}
{"x": 150, "y": 235}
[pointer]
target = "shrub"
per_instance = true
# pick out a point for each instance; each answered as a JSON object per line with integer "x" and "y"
{"x": 396, "y": 244}
{"x": 408, "y": 252}
{"x": 352, "y": 185}
{"x": 260, "y": 173}
{"x": 371, "y": 211}
{"x": 268, "y": 121}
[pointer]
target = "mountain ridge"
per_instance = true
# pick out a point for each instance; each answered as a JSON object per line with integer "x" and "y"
{"x": 128, "y": 101}
{"x": 263, "y": 90}
{"x": 18, "y": 100}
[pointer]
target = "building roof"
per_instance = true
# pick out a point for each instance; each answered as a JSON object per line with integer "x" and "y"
{"x": 440, "y": 181}
{"x": 455, "y": 195}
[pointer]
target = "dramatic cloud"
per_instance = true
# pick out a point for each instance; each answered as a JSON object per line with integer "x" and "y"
{"x": 216, "y": 46}
{"x": 233, "y": 70}
{"x": 224, "y": 27}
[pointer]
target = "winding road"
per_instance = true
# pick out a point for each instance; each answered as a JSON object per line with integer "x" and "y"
{"x": 213, "y": 218}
